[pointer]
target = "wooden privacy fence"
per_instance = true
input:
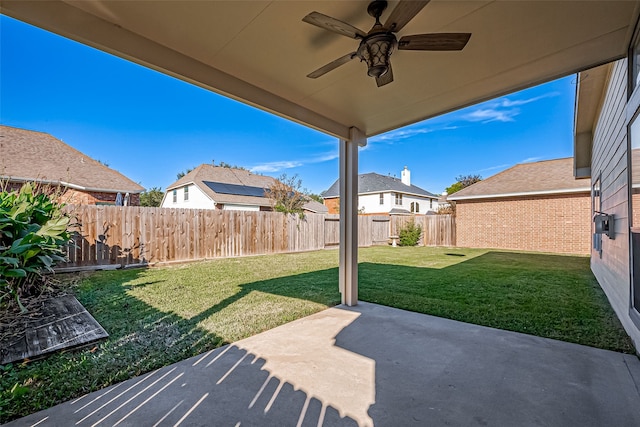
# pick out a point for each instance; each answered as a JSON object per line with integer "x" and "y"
{"x": 125, "y": 236}
{"x": 437, "y": 230}
{"x": 372, "y": 230}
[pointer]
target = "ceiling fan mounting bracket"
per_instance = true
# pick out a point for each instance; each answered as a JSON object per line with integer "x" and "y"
{"x": 376, "y": 8}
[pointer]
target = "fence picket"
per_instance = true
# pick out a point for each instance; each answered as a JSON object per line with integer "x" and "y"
{"x": 125, "y": 235}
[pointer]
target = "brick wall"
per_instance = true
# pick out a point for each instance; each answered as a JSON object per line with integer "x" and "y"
{"x": 559, "y": 224}
{"x": 77, "y": 197}
{"x": 635, "y": 206}
{"x": 333, "y": 205}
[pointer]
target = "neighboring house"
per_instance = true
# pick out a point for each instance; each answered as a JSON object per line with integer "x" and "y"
{"x": 217, "y": 187}
{"x": 313, "y": 206}
{"x": 385, "y": 195}
{"x": 607, "y": 140}
{"x": 536, "y": 206}
{"x": 39, "y": 157}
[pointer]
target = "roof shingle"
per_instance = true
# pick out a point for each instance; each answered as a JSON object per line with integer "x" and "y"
{"x": 376, "y": 183}
{"x": 205, "y": 175}
{"x": 544, "y": 177}
{"x": 37, "y": 156}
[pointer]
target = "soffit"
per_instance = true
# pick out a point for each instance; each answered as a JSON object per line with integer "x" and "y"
{"x": 260, "y": 52}
{"x": 589, "y": 95}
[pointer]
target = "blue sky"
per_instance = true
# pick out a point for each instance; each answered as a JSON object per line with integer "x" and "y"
{"x": 150, "y": 126}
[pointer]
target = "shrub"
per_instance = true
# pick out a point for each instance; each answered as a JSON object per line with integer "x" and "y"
{"x": 448, "y": 209}
{"x": 33, "y": 233}
{"x": 410, "y": 234}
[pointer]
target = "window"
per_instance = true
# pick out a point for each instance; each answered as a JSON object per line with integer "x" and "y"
{"x": 415, "y": 207}
{"x": 398, "y": 199}
{"x": 175, "y": 196}
{"x": 633, "y": 141}
{"x": 634, "y": 220}
{"x": 634, "y": 61}
{"x": 430, "y": 203}
{"x": 382, "y": 198}
{"x": 186, "y": 194}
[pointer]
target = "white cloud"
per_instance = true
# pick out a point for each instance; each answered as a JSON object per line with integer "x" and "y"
{"x": 270, "y": 167}
{"x": 506, "y": 102}
{"x": 275, "y": 166}
{"x": 506, "y": 165}
{"x": 486, "y": 115}
{"x": 401, "y": 134}
{"x": 503, "y": 109}
{"x": 491, "y": 168}
{"x": 325, "y": 157}
{"x": 531, "y": 159}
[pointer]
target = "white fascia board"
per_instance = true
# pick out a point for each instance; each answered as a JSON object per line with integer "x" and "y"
{"x": 393, "y": 191}
{"x": 99, "y": 190}
{"x": 175, "y": 187}
{"x": 529, "y": 193}
{"x": 163, "y": 198}
{"x": 241, "y": 204}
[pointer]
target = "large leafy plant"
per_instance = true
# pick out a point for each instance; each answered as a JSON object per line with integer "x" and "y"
{"x": 33, "y": 234}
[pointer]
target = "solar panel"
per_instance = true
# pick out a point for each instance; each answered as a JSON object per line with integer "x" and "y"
{"x": 238, "y": 190}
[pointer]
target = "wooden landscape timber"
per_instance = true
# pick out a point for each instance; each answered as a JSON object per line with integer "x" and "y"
{"x": 60, "y": 323}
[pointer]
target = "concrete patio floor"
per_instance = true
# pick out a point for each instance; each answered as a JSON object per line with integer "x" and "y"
{"x": 373, "y": 365}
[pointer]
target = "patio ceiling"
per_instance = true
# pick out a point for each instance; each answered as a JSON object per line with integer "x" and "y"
{"x": 260, "y": 52}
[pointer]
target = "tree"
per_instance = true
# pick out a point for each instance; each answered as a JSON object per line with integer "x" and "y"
{"x": 152, "y": 198}
{"x": 286, "y": 195}
{"x": 181, "y": 174}
{"x": 228, "y": 165}
{"x": 213, "y": 163}
{"x": 318, "y": 198}
{"x": 462, "y": 181}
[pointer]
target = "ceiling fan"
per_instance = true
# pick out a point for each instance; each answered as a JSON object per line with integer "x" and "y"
{"x": 378, "y": 44}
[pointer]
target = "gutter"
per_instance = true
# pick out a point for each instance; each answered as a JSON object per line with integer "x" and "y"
{"x": 70, "y": 185}
{"x": 520, "y": 194}
{"x": 387, "y": 191}
{"x": 397, "y": 191}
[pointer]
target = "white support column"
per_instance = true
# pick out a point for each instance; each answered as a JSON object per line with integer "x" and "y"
{"x": 349, "y": 216}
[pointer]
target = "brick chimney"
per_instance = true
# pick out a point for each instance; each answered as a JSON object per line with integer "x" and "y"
{"x": 406, "y": 176}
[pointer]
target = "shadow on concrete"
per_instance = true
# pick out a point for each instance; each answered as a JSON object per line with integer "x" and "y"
{"x": 431, "y": 371}
{"x": 344, "y": 366}
{"x": 226, "y": 386}
{"x": 132, "y": 350}
{"x": 384, "y": 367}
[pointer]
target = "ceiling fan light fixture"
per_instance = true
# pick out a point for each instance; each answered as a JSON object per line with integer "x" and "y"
{"x": 375, "y": 51}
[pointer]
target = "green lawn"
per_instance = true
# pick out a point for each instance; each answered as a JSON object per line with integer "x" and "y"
{"x": 159, "y": 316}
